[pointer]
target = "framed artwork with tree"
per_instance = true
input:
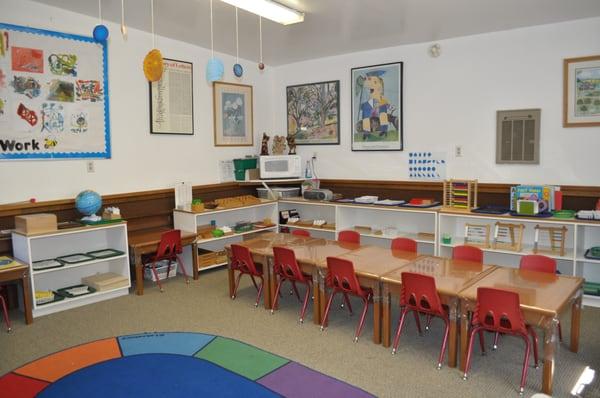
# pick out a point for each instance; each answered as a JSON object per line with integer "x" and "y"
{"x": 313, "y": 113}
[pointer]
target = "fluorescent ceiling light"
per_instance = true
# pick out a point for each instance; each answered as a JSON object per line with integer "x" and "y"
{"x": 269, "y": 9}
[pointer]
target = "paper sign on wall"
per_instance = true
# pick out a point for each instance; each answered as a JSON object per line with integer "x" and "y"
{"x": 427, "y": 165}
{"x": 53, "y": 95}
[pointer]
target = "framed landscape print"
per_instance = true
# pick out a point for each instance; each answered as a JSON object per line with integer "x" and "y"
{"x": 232, "y": 104}
{"x": 377, "y": 107}
{"x": 581, "y": 92}
{"x": 313, "y": 113}
{"x": 172, "y": 99}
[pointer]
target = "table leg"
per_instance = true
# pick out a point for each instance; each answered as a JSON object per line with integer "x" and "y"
{"x": 27, "y": 298}
{"x": 377, "y": 313}
{"x": 464, "y": 333}
{"x": 269, "y": 287}
{"x": 139, "y": 274}
{"x": 386, "y": 315}
{"x": 195, "y": 271}
{"x": 550, "y": 339}
{"x": 575, "y": 323}
{"x": 322, "y": 296}
{"x": 453, "y": 330}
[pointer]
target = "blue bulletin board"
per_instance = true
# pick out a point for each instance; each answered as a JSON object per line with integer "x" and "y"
{"x": 53, "y": 95}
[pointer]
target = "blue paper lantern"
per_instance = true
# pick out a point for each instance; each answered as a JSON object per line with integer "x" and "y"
{"x": 100, "y": 33}
{"x": 214, "y": 70}
{"x": 238, "y": 71}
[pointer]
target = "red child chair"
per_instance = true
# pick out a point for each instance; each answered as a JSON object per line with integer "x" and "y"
{"x": 467, "y": 253}
{"x": 405, "y": 244}
{"x": 169, "y": 248}
{"x": 419, "y": 295}
{"x": 499, "y": 311}
{"x": 349, "y": 236}
{"x": 286, "y": 268}
{"x": 342, "y": 279}
{"x": 242, "y": 262}
{"x": 301, "y": 232}
{"x": 5, "y": 311}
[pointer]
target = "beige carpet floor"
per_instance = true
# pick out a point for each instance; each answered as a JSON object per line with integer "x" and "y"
{"x": 204, "y": 306}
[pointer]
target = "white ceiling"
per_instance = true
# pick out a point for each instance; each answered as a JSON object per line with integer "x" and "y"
{"x": 333, "y": 27}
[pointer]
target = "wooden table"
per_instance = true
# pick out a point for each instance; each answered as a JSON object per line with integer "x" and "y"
{"x": 145, "y": 241}
{"x": 451, "y": 277}
{"x": 543, "y": 298}
{"x": 20, "y": 272}
{"x": 371, "y": 263}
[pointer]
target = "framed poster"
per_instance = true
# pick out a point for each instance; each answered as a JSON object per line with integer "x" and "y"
{"x": 581, "y": 92}
{"x": 172, "y": 99}
{"x": 53, "y": 95}
{"x": 232, "y": 104}
{"x": 377, "y": 107}
{"x": 313, "y": 113}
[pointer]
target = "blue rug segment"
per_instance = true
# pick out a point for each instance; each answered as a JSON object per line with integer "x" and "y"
{"x": 164, "y": 343}
{"x": 155, "y": 375}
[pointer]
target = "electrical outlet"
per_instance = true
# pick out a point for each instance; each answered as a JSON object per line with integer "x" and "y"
{"x": 91, "y": 168}
{"x": 458, "y": 152}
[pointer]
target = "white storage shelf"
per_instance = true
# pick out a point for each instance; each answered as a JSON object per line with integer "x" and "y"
{"x": 64, "y": 242}
{"x": 580, "y": 237}
{"x": 188, "y": 221}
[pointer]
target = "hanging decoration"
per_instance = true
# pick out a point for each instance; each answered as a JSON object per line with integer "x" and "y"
{"x": 123, "y": 27}
{"x": 214, "y": 67}
{"x": 100, "y": 32}
{"x": 238, "y": 71}
{"x": 153, "y": 62}
{"x": 261, "y": 65}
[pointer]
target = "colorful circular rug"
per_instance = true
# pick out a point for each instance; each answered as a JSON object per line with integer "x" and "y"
{"x": 169, "y": 365}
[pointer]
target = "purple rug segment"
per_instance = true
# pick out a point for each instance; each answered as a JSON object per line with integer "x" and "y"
{"x": 295, "y": 380}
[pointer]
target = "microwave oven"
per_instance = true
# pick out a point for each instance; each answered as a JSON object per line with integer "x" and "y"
{"x": 280, "y": 166}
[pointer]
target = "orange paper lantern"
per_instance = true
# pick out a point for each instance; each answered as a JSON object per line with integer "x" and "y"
{"x": 153, "y": 65}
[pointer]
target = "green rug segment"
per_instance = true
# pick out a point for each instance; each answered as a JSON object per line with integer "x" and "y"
{"x": 241, "y": 358}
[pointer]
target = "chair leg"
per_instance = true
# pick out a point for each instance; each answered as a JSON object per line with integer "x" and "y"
{"x": 470, "y": 350}
{"x": 260, "y": 289}
{"x": 180, "y": 262}
{"x": 496, "y": 336}
{"x": 153, "y": 266}
{"x": 559, "y": 332}
{"x": 444, "y": 342}
{"x": 525, "y": 364}
{"x": 418, "y": 322}
{"x": 399, "y": 330}
{"x": 347, "y": 301}
{"x": 296, "y": 291}
{"x": 253, "y": 281}
{"x": 237, "y": 284}
{"x": 482, "y": 342}
{"x": 534, "y": 338}
{"x": 277, "y": 289}
{"x": 5, "y": 312}
{"x": 305, "y": 304}
{"x": 429, "y": 318}
{"x": 361, "y": 323}
{"x": 326, "y": 314}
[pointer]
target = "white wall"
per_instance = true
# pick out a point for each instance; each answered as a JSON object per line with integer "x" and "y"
{"x": 140, "y": 161}
{"x": 452, "y": 100}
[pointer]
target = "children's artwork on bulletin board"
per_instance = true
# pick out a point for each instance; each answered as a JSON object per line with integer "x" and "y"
{"x": 53, "y": 95}
{"x": 427, "y": 165}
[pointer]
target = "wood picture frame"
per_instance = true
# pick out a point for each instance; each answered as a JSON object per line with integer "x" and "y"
{"x": 233, "y": 114}
{"x": 581, "y": 91}
{"x": 376, "y": 107}
{"x": 313, "y": 113}
{"x": 173, "y": 115}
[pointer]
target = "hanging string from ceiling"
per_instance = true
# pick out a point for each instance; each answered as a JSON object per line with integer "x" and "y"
{"x": 123, "y": 27}
{"x": 214, "y": 67}
{"x": 261, "y": 65}
{"x": 153, "y": 62}
{"x": 238, "y": 70}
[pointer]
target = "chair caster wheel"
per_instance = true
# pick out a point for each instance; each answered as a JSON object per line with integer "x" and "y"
{"x": 394, "y": 351}
{"x": 162, "y": 290}
{"x": 322, "y": 328}
{"x": 356, "y": 339}
{"x": 255, "y": 305}
{"x": 426, "y": 328}
{"x": 187, "y": 281}
{"x": 465, "y": 377}
{"x": 521, "y": 391}
{"x": 536, "y": 366}
{"x": 272, "y": 312}
{"x": 495, "y": 347}
{"x": 301, "y": 320}
{"x": 9, "y": 330}
{"x": 439, "y": 366}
